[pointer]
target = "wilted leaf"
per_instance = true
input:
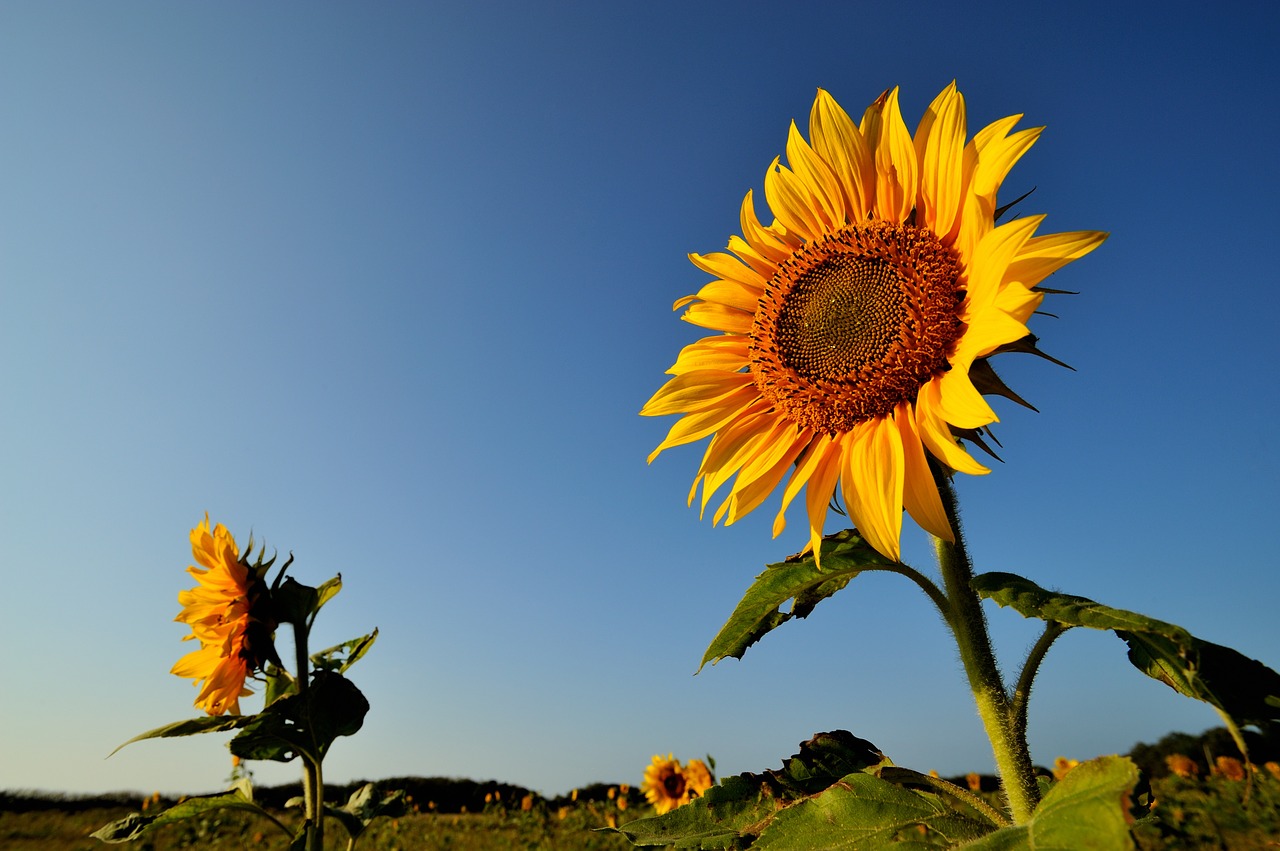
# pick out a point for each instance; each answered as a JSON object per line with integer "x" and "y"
{"x": 342, "y": 656}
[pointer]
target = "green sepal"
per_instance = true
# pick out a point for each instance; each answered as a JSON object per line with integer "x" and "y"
{"x": 191, "y": 727}
{"x": 294, "y": 602}
{"x": 364, "y": 806}
{"x": 304, "y": 724}
{"x": 733, "y": 813}
{"x": 865, "y": 812}
{"x": 342, "y": 656}
{"x": 135, "y": 825}
{"x": 1087, "y": 809}
{"x": 1243, "y": 690}
{"x": 844, "y": 556}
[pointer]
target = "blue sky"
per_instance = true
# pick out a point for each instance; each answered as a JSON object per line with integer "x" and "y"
{"x": 387, "y": 284}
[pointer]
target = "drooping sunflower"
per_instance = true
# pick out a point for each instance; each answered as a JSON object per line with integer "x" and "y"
{"x": 856, "y": 327}
{"x": 227, "y": 615}
{"x": 667, "y": 784}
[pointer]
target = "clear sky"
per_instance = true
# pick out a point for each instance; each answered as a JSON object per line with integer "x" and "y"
{"x": 387, "y": 284}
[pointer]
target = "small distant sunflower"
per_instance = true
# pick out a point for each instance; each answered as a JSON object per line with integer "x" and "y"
{"x": 226, "y": 613}
{"x": 856, "y": 328}
{"x": 668, "y": 785}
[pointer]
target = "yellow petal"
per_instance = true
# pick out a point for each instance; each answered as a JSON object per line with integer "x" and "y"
{"x": 960, "y": 403}
{"x": 817, "y": 445}
{"x": 698, "y": 390}
{"x": 1041, "y": 256}
{"x": 770, "y": 244}
{"x": 997, "y": 154}
{"x": 791, "y": 202}
{"x": 895, "y": 159}
{"x": 819, "y": 490}
{"x": 721, "y": 265}
{"x": 818, "y": 178}
{"x": 919, "y": 492}
{"x": 992, "y": 257}
{"x": 839, "y": 142}
{"x": 728, "y": 352}
{"x": 937, "y": 437}
{"x": 719, "y": 317}
{"x": 693, "y": 427}
{"x": 940, "y": 145}
{"x": 757, "y": 479}
{"x": 731, "y": 294}
{"x": 871, "y": 482}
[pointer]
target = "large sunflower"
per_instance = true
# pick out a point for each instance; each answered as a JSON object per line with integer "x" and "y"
{"x": 226, "y": 614}
{"x": 857, "y": 326}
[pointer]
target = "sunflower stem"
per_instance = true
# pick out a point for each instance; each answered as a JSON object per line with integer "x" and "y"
{"x": 312, "y": 780}
{"x": 969, "y": 626}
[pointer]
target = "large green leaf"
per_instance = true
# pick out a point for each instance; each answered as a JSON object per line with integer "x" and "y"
{"x": 844, "y": 556}
{"x": 733, "y": 813}
{"x": 1088, "y": 810}
{"x": 863, "y": 812}
{"x": 135, "y": 825}
{"x": 304, "y": 724}
{"x": 1243, "y": 690}
{"x": 192, "y": 727}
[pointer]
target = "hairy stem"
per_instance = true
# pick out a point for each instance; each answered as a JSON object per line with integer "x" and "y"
{"x": 1022, "y": 692}
{"x": 969, "y": 625}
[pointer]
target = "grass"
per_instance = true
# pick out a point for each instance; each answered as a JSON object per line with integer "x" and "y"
{"x": 1213, "y": 812}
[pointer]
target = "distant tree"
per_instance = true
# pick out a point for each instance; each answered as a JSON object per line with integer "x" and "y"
{"x": 1203, "y": 748}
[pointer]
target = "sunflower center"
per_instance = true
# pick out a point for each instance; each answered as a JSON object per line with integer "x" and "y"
{"x": 674, "y": 785}
{"x": 842, "y": 314}
{"x": 855, "y": 323}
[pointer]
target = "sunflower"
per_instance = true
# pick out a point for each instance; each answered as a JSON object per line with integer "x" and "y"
{"x": 855, "y": 328}
{"x": 226, "y": 613}
{"x": 668, "y": 785}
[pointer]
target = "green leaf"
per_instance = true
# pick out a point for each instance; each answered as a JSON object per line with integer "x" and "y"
{"x": 304, "y": 724}
{"x": 279, "y": 683}
{"x": 134, "y": 825}
{"x": 733, "y": 813}
{"x": 342, "y": 656}
{"x": 863, "y": 812}
{"x": 326, "y": 592}
{"x": 364, "y": 806}
{"x": 1088, "y": 810}
{"x": 1243, "y": 690}
{"x": 844, "y": 556}
{"x": 191, "y": 727}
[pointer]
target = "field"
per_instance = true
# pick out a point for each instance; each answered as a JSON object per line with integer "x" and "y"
{"x": 1218, "y": 811}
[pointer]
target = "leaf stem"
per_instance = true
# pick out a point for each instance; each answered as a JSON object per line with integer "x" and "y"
{"x": 926, "y": 585}
{"x": 1022, "y": 692}
{"x": 969, "y": 626}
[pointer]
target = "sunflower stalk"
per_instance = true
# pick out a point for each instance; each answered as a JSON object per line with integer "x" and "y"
{"x": 995, "y": 706}
{"x": 312, "y": 778}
